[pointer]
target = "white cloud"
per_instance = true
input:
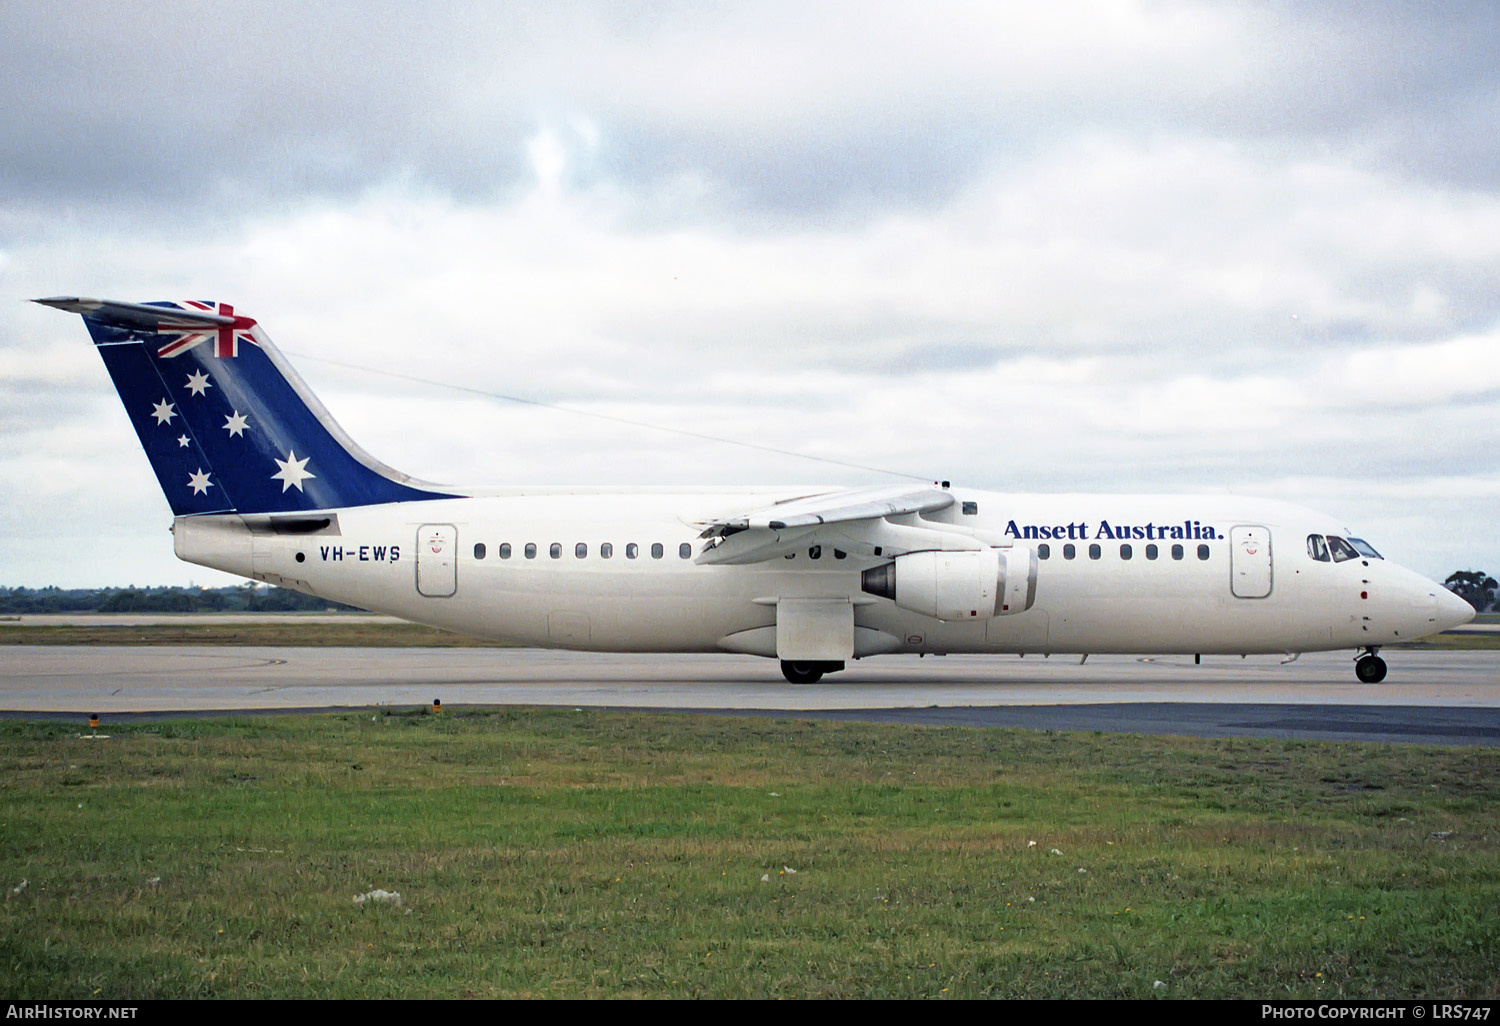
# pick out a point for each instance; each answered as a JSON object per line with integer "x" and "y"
{"x": 1115, "y": 262}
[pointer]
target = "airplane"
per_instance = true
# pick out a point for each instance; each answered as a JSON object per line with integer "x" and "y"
{"x": 263, "y": 483}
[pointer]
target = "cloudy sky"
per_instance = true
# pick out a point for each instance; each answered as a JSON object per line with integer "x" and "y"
{"x": 1111, "y": 246}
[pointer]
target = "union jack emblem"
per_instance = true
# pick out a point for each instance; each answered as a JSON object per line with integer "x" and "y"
{"x": 188, "y": 333}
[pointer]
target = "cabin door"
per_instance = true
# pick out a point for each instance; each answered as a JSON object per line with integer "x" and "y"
{"x": 437, "y": 560}
{"x": 1250, "y": 561}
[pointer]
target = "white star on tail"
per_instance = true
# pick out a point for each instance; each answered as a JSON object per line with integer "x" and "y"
{"x": 182, "y": 441}
{"x": 199, "y": 482}
{"x": 235, "y": 425}
{"x": 293, "y": 471}
{"x": 163, "y": 413}
{"x": 198, "y": 383}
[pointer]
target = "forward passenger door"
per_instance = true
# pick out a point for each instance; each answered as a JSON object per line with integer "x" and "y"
{"x": 1250, "y": 561}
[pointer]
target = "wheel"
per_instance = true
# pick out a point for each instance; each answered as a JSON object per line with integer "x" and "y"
{"x": 1370, "y": 669}
{"x": 801, "y": 673}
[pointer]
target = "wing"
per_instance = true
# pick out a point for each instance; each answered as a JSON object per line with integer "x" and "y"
{"x": 855, "y": 520}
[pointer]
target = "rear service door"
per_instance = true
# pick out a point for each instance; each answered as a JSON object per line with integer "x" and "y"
{"x": 1250, "y": 561}
{"x": 437, "y": 560}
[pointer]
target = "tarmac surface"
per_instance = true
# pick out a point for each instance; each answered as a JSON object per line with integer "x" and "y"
{"x": 1430, "y": 696}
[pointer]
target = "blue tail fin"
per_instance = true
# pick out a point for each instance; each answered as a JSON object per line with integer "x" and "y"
{"x": 227, "y": 424}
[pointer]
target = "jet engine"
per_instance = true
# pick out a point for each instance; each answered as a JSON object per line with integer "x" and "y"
{"x": 958, "y": 585}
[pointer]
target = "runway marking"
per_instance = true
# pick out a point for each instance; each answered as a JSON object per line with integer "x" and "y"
{"x": 244, "y": 664}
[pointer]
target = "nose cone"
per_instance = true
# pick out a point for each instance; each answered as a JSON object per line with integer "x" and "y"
{"x": 1452, "y": 611}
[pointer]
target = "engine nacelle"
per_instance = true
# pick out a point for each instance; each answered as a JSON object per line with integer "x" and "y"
{"x": 958, "y": 585}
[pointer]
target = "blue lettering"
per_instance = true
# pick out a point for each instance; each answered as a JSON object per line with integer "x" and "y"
{"x": 379, "y": 551}
{"x": 395, "y": 553}
{"x": 1078, "y": 530}
{"x": 364, "y": 553}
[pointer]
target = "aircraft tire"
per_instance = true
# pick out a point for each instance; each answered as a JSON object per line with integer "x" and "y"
{"x": 1370, "y": 669}
{"x": 801, "y": 673}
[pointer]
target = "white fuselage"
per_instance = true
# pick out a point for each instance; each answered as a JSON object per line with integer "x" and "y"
{"x": 1225, "y": 590}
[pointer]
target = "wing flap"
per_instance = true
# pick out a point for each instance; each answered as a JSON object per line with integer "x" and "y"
{"x": 832, "y": 508}
{"x": 856, "y": 521}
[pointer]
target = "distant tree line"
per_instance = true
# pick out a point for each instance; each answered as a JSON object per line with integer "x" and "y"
{"x": 1475, "y": 587}
{"x": 242, "y": 598}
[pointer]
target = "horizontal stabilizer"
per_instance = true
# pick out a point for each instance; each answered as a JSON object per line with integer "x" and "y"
{"x": 141, "y": 316}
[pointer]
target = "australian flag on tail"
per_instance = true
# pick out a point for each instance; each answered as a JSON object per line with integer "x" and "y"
{"x": 227, "y": 424}
{"x": 184, "y": 334}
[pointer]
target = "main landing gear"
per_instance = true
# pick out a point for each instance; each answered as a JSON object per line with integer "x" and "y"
{"x": 1369, "y": 668}
{"x": 807, "y": 672}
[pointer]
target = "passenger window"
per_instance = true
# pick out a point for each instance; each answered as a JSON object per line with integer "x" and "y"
{"x": 685, "y": 551}
{"x": 555, "y": 550}
{"x": 1126, "y": 552}
{"x": 581, "y": 550}
{"x": 1095, "y": 552}
{"x": 656, "y": 550}
{"x": 840, "y": 554}
{"x": 1151, "y": 551}
{"x": 606, "y": 550}
{"x": 1202, "y": 551}
{"x": 505, "y": 550}
{"x": 1176, "y": 551}
{"x": 531, "y": 550}
{"x": 1341, "y": 549}
{"x": 971, "y": 509}
{"x": 1069, "y": 551}
{"x": 1317, "y": 548}
{"x": 479, "y": 550}
{"x": 816, "y": 552}
{"x": 632, "y": 550}
{"x": 1044, "y": 551}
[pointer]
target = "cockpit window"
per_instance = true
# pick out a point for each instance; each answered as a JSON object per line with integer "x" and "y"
{"x": 1365, "y": 548}
{"x": 1341, "y": 549}
{"x": 1317, "y": 548}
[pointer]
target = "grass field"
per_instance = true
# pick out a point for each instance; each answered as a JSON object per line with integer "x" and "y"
{"x": 586, "y": 853}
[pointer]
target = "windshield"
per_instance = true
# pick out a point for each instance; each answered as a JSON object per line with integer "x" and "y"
{"x": 1365, "y": 548}
{"x": 1341, "y": 549}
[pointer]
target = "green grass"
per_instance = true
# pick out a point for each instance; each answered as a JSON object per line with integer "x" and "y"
{"x": 586, "y": 853}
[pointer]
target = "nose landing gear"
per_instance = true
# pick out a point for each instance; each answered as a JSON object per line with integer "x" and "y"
{"x": 1369, "y": 668}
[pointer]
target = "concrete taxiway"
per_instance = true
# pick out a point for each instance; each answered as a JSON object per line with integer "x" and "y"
{"x": 1451, "y": 696}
